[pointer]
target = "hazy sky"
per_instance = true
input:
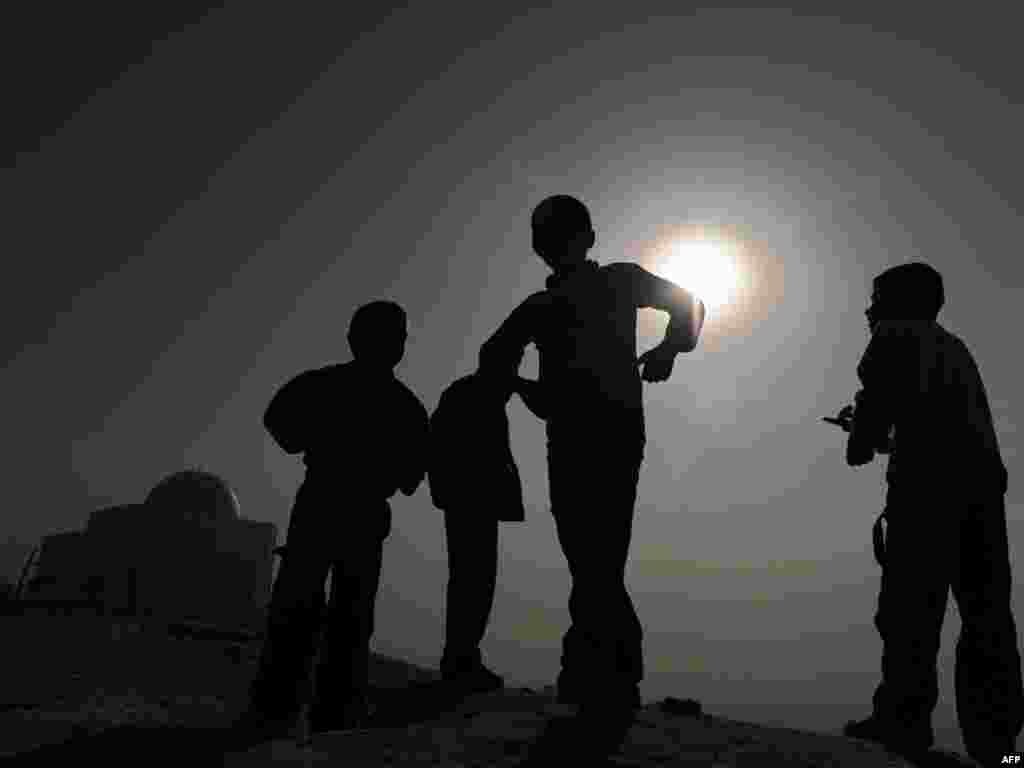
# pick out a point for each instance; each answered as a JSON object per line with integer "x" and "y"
{"x": 203, "y": 226}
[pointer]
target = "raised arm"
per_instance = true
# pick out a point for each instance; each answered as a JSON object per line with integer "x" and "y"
{"x": 686, "y": 311}
{"x": 502, "y": 353}
{"x": 686, "y": 317}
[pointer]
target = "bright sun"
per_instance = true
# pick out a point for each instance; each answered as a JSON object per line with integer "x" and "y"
{"x": 705, "y": 267}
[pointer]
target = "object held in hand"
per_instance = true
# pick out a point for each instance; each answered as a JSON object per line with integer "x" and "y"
{"x": 843, "y": 419}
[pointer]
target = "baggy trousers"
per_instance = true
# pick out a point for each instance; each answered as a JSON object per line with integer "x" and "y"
{"x": 934, "y": 543}
{"x": 326, "y": 533}
{"x": 593, "y": 488}
{"x": 472, "y": 572}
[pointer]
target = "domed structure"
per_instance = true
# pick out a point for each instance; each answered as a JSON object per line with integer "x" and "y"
{"x": 196, "y": 496}
{"x": 183, "y": 555}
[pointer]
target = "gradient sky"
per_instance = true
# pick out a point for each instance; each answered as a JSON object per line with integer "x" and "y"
{"x": 185, "y": 236}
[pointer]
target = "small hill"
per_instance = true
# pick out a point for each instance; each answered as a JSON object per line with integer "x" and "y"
{"x": 81, "y": 687}
{"x": 499, "y": 729}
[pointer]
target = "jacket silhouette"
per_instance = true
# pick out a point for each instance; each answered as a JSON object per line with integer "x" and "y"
{"x": 471, "y": 462}
{"x": 363, "y": 423}
{"x": 924, "y": 404}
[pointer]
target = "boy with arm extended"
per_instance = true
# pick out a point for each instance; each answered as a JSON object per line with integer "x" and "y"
{"x": 584, "y": 327}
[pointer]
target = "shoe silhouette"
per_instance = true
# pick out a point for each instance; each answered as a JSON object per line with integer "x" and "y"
{"x": 474, "y": 679}
{"x": 912, "y": 745}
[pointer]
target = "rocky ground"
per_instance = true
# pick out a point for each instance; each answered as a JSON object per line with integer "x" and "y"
{"x": 121, "y": 693}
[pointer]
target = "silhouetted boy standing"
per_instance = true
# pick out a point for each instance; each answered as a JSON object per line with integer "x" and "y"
{"x": 584, "y": 327}
{"x": 475, "y": 481}
{"x": 923, "y": 402}
{"x": 363, "y": 436}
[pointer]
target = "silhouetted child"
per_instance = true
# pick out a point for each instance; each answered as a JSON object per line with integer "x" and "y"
{"x": 363, "y": 435}
{"x": 475, "y": 481}
{"x": 923, "y": 402}
{"x": 584, "y": 327}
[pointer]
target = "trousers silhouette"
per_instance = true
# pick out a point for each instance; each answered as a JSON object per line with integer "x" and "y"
{"x": 472, "y": 539}
{"x": 593, "y": 491}
{"x": 960, "y": 544}
{"x": 327, "y": 533}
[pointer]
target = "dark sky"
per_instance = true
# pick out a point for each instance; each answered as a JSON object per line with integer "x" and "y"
{"x": 197, "y": 201}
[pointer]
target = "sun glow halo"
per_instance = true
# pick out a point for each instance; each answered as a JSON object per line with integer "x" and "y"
{"x": 706, "y": 267}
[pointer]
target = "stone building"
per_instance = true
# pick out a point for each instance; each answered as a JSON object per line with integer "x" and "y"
{"x": 184, "y": 554}
{"x": 63, "y": 567}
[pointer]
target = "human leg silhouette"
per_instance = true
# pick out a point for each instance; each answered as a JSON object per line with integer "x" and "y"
{"x": 916, "y": 569}
{"x": 934, "y": 541}
{"x": 911, "y": 608}
{"x": 342, "y": 673}
{"x": 472, "y": 540}
{"x": 341, "y": 678}
{"x": 593, "y": 491}
{"x": 989, "y": 696}
{"x": 294, "y": 618}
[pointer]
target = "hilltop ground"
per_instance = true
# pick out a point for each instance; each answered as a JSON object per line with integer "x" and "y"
{"x": 77, "y": 687}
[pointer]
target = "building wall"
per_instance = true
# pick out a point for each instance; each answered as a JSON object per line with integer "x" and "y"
{"x": 63, "y": 569}
{"x": 163, "y": 566}
{"x": 113, "y": 537}
{"x": 214, "y": 574}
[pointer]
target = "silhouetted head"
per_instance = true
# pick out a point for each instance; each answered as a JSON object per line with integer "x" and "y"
{"x": 910, "y": 291}
{"x": 377, "y": 334}
{"x": 562, "y": 231}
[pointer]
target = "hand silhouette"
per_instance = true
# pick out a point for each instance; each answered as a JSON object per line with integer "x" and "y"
{"x": 657, "y": 363}
{"x": 843, "y": 419}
